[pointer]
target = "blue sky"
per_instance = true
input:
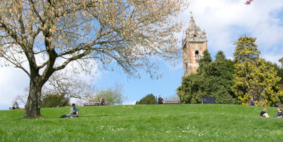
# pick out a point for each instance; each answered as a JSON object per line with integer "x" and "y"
{"x": 223, "y": 20}
{"x": 134, "y": 88}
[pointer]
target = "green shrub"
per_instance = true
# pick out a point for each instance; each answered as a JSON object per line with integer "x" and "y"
{"x": 148, "y": 99}
{"x": 54, "y": 100}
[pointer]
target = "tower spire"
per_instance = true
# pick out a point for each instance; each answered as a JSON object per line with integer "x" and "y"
{"x": 192, "y": 22}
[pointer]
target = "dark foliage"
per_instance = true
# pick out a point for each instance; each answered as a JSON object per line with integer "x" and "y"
{"x": 148, "y": 99}
{"x": 279, "y": 72}
{"x": 214, "y": 79}
{"x": 54, "y": 100}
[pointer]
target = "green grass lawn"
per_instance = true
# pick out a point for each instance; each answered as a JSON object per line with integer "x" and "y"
{"x": 158, "y": 123}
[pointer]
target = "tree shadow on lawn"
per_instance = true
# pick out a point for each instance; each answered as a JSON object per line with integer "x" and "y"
{"x": 19, "y": 119}
{"x": 83, "y": 116}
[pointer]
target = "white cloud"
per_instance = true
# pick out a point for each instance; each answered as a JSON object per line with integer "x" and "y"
{"x": 225, "y": 21}
{"x": 13, "y": 81}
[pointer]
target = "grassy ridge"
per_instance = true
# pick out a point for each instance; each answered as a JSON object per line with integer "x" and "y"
{"x": 145, "y": 123}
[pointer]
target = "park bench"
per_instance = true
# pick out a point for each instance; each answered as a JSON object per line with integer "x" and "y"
{"x": 207, "y": 100}
{"x": 171, "y": 102}
{"x": 94, "y": 104}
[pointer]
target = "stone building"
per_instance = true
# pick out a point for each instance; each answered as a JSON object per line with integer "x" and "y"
{"x": 194, "y": 45}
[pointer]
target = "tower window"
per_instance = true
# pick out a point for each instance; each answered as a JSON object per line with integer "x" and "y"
{"x": 195, "y": 35}
{"x": 196, "y": 53}
{"x": 197, "y": 56}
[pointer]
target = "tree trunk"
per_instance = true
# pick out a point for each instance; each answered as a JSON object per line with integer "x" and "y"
{"x": 32, "y": 108}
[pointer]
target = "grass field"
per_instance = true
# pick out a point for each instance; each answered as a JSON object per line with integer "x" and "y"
{"x": 148, "y": 123}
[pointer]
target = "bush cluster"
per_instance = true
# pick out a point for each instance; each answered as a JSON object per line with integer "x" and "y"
{"x": 54, "y": 100}
{"x": 148, "y": 99}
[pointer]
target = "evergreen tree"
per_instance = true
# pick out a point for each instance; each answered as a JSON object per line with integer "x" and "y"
{"x": 279, "y": 73}
{"x": 220, "y": 57}
{"x": 212, "y": 79}
{"x": 205, "y": 67}
{"x": 254, "y": 77}
{"x": 189, "y": 89}
{"x": 148, "y": 99}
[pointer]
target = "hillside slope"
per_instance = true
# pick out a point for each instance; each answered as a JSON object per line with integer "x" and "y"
{"x": 145, "y": 123}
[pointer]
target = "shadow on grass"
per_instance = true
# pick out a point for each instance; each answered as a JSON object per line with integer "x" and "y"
{"x": 83, "y": 116}
{"x": 21, "y": 119}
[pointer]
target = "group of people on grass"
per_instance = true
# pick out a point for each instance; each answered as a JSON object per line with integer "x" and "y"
{"x": 74, "y": 112}
{"x": 264, "y": 113}
{"x": 15, "y": 105}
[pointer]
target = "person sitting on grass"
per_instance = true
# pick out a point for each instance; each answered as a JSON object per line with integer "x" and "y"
{"x": 252, "y": 102}
{"x": 15, "y": 105}
{"x": 280, "y": 113}
{"x": 160, "y": 100}
{"x": 73, "y": 113}
{"x": 263, "y": 113}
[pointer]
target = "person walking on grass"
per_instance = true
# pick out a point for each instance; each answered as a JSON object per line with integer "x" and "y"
{"x": 263, "y": 113}
{"x": 160, "y": 100}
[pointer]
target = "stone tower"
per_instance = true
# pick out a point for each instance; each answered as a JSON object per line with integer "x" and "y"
{"x": 194, "y": 45}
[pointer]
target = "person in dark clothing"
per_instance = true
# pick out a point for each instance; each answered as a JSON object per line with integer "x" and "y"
{"x": 263, "y": 113}
{"x": 252, "y": 102}
{"x": 160, "y": 100}
{"x": 102, "y": 101}
{"x": 15, "y": 105}
{"x": 74, "y": 112}
{"x": 280, "y": 113}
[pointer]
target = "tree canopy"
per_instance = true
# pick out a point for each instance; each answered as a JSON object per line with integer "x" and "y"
{"x": 213, "y": 78}
{"x": 248, "y": 76}
{"x": 254, "y": 77}
{"x": 148, "y": 99}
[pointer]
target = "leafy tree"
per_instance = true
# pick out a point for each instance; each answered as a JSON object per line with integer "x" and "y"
{"x": 212, "y": 79}
{"x": 281, "y": 61}
{"x": 254, "y": 77}
{"x": 54, "y": 100}
{"x": 220, "y": 57}
{"x": 204, "y": 64}
{"x": 148, "y": 99}
{"x": 279, "y": 72}
{"x": 50, "y": 34}
{"x": 189, "y": 89}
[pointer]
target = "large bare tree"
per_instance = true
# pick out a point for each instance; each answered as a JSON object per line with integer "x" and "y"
{"x": 127, "y": 32}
